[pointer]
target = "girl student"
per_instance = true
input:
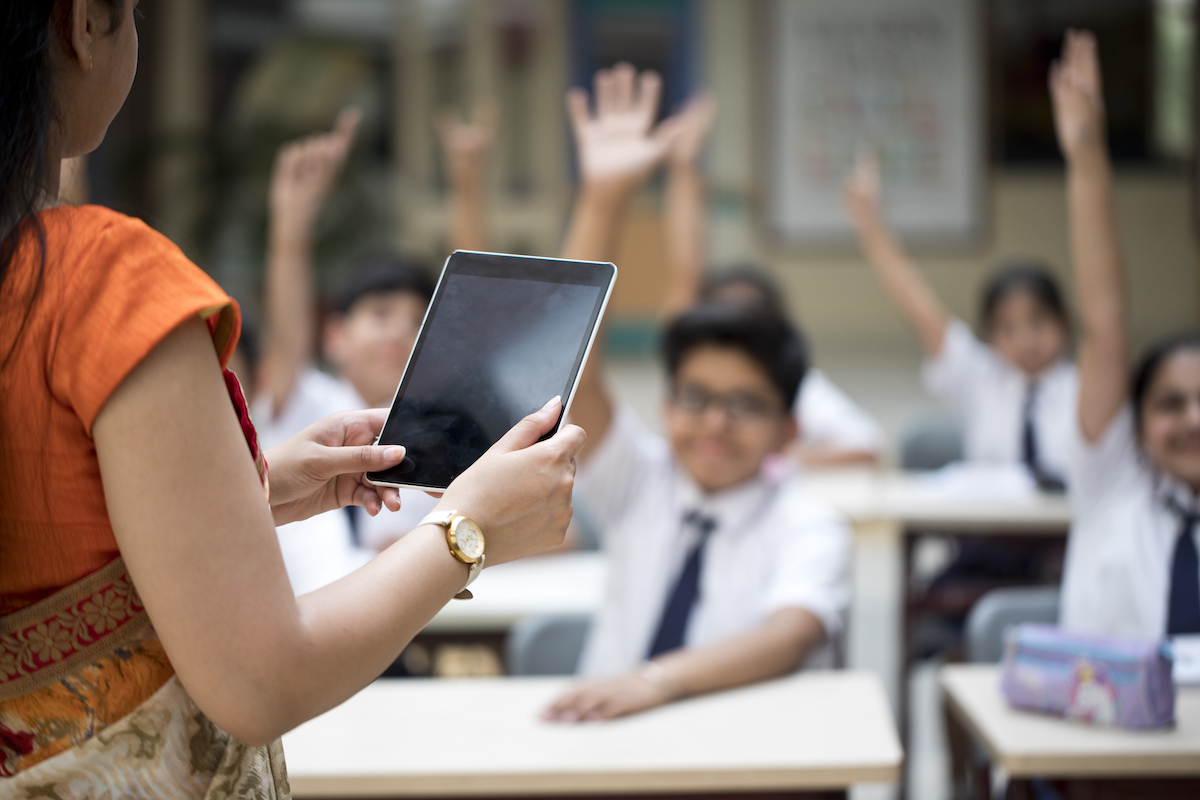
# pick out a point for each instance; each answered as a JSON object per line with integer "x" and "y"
{"x": 1132, "y": 566}
{"x": 1015, "y": 392}
{"x": 143, "y": 597}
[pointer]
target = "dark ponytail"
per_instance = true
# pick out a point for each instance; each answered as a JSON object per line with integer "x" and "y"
{"x": 26, "y": 114}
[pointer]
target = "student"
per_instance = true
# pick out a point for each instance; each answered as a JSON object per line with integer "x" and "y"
{"x": 717, "y": 576}
{"x": 1015, "y": 394}
{"x": 1131, "y": 567}
{"x": 368, "y": 337}
{"x": 153, "y": 646}
{"x": 833, "y": 429}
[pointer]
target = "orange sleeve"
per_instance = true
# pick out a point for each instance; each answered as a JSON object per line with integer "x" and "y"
{"x": 133, "y": 288}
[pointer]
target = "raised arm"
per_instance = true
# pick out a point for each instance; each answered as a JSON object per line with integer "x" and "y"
{"x": 687, "y": 231}
{"x": 618, "y": 149}
{"x": 304, "y": 174}
{"x": 466, "y": 147}
{"x": 1075, "y": 88}
{"x": 899, "y": 276}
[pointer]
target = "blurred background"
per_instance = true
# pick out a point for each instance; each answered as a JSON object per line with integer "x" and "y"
{"x": 223, "y": 82}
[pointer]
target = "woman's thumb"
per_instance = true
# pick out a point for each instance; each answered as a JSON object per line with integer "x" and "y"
{"x": 527, "y": 432}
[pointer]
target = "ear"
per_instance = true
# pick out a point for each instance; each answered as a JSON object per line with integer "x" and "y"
{"x": 82, "y": 27}
{"x": 333, "y": 338}
{"x": 789, "y": 434}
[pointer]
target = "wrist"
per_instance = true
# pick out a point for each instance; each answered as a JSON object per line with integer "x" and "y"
{"x": 656, "y": 675}
{"x": 609, "y": 196}
{"x": 1086, "y": 154}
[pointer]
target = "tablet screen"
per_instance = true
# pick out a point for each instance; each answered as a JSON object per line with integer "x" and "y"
{"x": 503, "y": 335}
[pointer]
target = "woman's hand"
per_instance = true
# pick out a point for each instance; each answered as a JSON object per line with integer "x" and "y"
{"x": 322, "y": 467}
{"x": 519, "y": 491}
{"x": 1077, "y": 96}
{"x": 607, "y": 699}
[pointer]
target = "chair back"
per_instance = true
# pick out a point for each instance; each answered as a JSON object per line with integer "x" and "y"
{"x": 547, "y": 645}
{"x": 930, "y": 442}
{"x": 1001, "y": 608}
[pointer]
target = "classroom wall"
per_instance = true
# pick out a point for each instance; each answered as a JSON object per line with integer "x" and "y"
{"x": 843, "y": 307}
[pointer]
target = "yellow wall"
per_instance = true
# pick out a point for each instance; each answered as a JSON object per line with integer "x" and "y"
{"x": 841, "y": 305}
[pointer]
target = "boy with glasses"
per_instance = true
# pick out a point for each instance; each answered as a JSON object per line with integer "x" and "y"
{"x": 718, "y": 575}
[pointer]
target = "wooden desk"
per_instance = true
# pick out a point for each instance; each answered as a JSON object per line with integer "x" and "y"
{"x": 1028, "y": 745}
{"x": 568, "y": 583}
{"x": 476, "y": 738}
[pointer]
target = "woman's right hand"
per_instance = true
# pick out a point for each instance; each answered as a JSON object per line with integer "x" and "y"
{"x": 519, "y": 491}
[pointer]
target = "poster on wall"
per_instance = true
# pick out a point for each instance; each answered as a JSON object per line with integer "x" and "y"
{"x": 902, "y": 78}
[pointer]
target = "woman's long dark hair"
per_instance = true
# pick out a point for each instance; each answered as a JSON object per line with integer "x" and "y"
{"x": 26, "y": 115}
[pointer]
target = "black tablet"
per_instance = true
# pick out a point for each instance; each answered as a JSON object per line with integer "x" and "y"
{"x": 502, "y": 336}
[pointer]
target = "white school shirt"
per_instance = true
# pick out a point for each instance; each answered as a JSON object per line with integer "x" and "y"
{"x": 829, "y": 418}
{"x": 773, "y": 548}
{"x": 320, "y": 550}
{"x": 989, "y": 395}
{"x": 1117, "y": 575}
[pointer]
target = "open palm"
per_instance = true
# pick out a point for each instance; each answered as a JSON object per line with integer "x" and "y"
{"x": 1075, "y": 89}
{"x": 619, "y": 144}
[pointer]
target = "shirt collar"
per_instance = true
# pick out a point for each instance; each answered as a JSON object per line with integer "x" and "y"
{"x": 729, "y": 506}
{"x": 1174, "y": 493}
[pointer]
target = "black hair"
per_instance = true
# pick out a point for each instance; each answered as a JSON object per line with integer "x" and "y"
{"x": 754, "y": 277}
{"x": 380, "y": 273}
{"x": 1148, "y": 367}
{"x": 767, "y": 338}
{"x": 26, "y": 115}
{"x": 1031, "y": 277}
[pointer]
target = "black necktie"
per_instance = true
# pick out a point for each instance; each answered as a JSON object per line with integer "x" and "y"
{"x": 672, "y": 628}
{"x": 1029, "y": 446}
{"x": 1183, "y": 603}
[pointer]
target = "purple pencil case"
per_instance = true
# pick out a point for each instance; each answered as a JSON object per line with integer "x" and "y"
{"x": 1100, "y": 680}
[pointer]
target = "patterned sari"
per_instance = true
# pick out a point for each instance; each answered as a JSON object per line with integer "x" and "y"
{"x": 90, "y": 707}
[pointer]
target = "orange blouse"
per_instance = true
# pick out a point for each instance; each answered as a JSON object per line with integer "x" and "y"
{"x": 110, "y": 290}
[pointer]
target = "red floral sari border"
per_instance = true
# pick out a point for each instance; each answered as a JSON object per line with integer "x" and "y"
{"x": 53, "y": 637}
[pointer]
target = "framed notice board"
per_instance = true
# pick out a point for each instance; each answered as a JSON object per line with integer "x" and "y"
{"x": 902, "y": 77}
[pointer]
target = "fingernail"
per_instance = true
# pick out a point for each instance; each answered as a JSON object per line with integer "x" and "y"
{"x": 556, "y": 399}
{"x": 394, "y": 454}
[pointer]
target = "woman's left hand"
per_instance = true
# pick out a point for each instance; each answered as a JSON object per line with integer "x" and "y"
{"x": 606, "y": 699}
{"x": 323, "y": 467}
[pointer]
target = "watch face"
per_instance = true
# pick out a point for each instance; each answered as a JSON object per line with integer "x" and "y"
{"x": 469, "y": 538}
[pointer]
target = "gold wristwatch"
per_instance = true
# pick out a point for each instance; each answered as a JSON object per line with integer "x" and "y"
{"x": 465, "y": 539}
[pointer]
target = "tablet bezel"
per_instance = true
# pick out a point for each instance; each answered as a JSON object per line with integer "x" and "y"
{"x": 603, "y": 275}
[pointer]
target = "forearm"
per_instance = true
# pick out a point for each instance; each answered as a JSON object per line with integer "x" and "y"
{"x": 686, "y": 251}
{"x": 467, "y": 225}
{"x": 828, "y": 456}
{"x": 903, "y": 283}
{"x": 1100, "y": 282}
{"x": 290, "y": 306}
{"x": 776, "y": 648}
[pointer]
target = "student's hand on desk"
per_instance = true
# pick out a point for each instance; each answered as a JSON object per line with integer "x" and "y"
{"x": 1075, "y": 90}
{"x": 322, "y": 467}
{"x": 519, "y": 491}
{"x": 607, "y": 699}
{"x": 619, "y": 146}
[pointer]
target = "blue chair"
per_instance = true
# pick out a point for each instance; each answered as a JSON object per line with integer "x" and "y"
{"x": 1000, "y": 608}
{"x": 930, "y": 442}
{"x": 547, "y": 645}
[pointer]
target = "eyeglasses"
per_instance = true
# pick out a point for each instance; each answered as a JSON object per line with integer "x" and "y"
{"x": 738, "y": 406}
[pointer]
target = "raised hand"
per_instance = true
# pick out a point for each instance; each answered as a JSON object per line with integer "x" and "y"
{"x": 466, "y": 145}
{"x": 619, "y": 146}
{"x": 691, "y": 128}
{"x": 305, "y": 171}
{"x": 860, "y": 192}
{"x": 1077, "y": 95}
